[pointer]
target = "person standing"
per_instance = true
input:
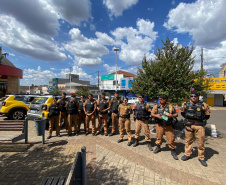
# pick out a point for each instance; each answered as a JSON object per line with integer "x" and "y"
{"x": 72, "y": 110}
{"x": 142, "y": 112}
{"x": 103, "y": 107}
{"x": 63, "y": 113}
{"x": 89, "y": 108}
{"x": 54, "y": 112}
{"x": 124, "y": 121}
{"x": 114, "y": 104}
{"x": 196, "y": 113}
{"x": 81, "y": 113}
{"x": 163, "y": 114}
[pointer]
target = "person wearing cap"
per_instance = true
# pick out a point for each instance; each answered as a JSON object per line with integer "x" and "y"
{"x": 72, "y": 110}
{"x": 89, "y": 108}
{"x": 142, "y": 111}
{"x": 103, "y": 107}
{"x": 63, "y": 112}
{"x": 54, "y": 112}
{"x": 114, "y": 104}
{"x": 163, "y": 114}
{"x": 195, "y": 113}
{"x": 81, "y": 113}
{"x": 125, "y": 110}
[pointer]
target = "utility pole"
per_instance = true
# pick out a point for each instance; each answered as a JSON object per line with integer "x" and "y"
{"x": 202, "y": 59}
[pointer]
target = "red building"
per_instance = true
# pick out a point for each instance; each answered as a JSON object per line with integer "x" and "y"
{"x": 10, "y": 76}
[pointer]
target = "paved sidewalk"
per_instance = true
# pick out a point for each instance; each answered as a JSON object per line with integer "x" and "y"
{"x": 109, "y": 162}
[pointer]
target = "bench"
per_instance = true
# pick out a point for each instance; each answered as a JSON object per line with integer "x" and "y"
{"x": 14, "y": 125}
{"x": 77, "y": 174}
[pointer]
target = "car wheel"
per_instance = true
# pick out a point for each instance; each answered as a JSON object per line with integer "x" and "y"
{"x": 17, "y": 114}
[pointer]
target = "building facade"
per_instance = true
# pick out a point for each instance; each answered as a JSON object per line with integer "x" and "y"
{"x": 10, "y": 76}
{"x": 124, "y": 82}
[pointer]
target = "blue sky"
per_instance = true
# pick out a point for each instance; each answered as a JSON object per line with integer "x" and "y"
{"x": 46, "y": 37}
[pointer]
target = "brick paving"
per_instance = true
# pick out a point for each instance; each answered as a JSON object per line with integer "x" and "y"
{"x": 109, "y": 162}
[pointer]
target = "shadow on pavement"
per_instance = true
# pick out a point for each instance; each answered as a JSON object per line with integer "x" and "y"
{"x": 32, "y": 166}
{"x": 105, "y": 173}
{"x": 209, "y": 152}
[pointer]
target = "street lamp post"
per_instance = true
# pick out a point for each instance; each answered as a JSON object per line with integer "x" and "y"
{"x": 116, "y": 49}
{"x": 70, "y": 79}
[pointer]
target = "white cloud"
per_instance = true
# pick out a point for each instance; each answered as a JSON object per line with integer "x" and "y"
{"x": 116, "y": 7}
{"x": 40, "y": 77}
{"x": 204, "y": 20}
{"x": 135, "y": 43}
{"x": 73, "y": 11}
{"x": 111, "y": 69}
{"x": 37, "y": 16}
{"x": 86, "y": 51}
{"x": 17, "y": 37}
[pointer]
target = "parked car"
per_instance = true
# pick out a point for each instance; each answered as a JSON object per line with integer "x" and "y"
{"x": 15, "y": 107}
{"x": 132, "y": 100}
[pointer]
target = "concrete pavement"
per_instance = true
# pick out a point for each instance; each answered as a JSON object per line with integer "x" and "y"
{"x": 109, "y": 162}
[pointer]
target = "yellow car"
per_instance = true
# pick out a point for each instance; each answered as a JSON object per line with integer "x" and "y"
{"x": 15, "y": 107}
{"x": 39, "y": 107}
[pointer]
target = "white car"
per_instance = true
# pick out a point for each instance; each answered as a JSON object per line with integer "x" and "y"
{"x": 132, "y": 100}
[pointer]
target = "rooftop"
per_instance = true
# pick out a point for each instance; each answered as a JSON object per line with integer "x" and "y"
{"x": 127, "y": 74}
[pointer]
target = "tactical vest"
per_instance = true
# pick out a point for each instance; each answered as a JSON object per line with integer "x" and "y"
{"x": 115, "y": 104}
{"x": 54, "y": 110}
{"x": 140, "y": 112}
{"x": 72, "y": 108}
{"x": 81, "y": 105}
{"x": 63, "y": 103}
{"x": 102, "y": 106}
{"x": 161, "y": 111}
{"x": 89, "y": 105}
{"x": 194, "y": 111}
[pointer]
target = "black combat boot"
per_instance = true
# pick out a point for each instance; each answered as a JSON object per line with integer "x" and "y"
{"x": 136, "y": 143}
{"x": 157, "y": 149}
{"x": 185, "y": 158}
{"x": 203, "y": 162}
{"x": 173, "y": 153}
{"x": 149, "y": 146}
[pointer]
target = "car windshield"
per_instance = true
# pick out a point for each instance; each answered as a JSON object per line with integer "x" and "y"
{"x": 39, "y": 100}
{"x": 19, "y": 98}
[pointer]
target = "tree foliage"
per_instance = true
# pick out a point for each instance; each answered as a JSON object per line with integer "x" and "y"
{"x": 83, "y": 91}
{"x": 171, "y": 73}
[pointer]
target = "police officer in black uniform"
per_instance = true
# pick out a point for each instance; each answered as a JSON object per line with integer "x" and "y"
{"x": 81, "y": 113}
{"x": 63, "y": 113}
{"x": 72, "y": 110}
{"x": 196, "y": 113}
{"x": 114, "y": 104}
{"x": 142, "y": 112}
{"x": 54, "y": 111}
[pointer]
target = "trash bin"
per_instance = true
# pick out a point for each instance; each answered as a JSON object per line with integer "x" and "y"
{"x": 40, "y": 124}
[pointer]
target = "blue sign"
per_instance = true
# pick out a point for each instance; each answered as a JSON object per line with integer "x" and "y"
{"x": 123, "y": 83}
{"x": 130, "y": 83}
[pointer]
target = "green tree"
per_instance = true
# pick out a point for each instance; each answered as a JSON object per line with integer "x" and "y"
{"x": 54, "y": 92}
{"x": 170, "y": 73}
{"x": 83, "y": 91}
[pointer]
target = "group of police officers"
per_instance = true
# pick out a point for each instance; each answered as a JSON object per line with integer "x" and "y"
{"x": 75, "y": 113}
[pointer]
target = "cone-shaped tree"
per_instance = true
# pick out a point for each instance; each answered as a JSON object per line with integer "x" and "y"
{"x": 171, "y": 73}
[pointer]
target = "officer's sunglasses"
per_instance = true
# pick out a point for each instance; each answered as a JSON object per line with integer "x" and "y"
{"x": 193, "y": 96}
{"x": 125, "y": 100}
{"x": 140, "y": 97}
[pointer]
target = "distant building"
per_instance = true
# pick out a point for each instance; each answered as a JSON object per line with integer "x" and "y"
{"x": 124, "y": 82}
{"x": 60, "y": 83}
{"x": 222, "y": 73}
{"x": 10, "y": 76}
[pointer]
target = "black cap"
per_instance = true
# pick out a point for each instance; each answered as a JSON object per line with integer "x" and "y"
{"x": 64, "y": 93}
{"x": 164, "y": 97}
{"x": 55, "y": 98}
{"x": 73, "y": 96}
{"x": 195, "y": 92}
{"x": 116, "y": 92}
{"x": 141, "y": 95}
{"x": 103, "y": 93}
